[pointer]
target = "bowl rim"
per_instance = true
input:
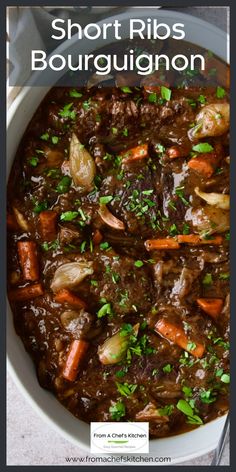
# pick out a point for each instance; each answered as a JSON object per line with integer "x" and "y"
{"x": 170, "y": 14}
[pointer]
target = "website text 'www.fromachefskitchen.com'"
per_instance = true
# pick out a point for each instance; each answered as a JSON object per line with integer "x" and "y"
{"x": 118, "y": 459}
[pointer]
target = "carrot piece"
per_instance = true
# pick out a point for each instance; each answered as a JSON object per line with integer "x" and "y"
{"x": 205, "y": 164}
{"x": 196, "y": 240}
{"x": 177, "y": 335}
{"x": 48, "y": 224}
{"x": 134, "y": 154}
{"x": 167, "y": 243}
{"x": 97, "y": 237}
{"x": 211, "y": 306}
{"x": 75, "y": 355}
{"x": 111, "y": 220}
{"x": 27, "y": 251}
{"x": 11, "y": 222}
{"x": 66, "y": 296}
{"x": 25, "y": 293}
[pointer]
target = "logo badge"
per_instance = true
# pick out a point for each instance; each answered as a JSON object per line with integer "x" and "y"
{"x": 119, "y": 437}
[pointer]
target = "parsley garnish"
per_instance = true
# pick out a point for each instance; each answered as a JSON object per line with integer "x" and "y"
{"x": 66, "y": 112}
{"x": 203, "y": 147}
{"x": 220, "y": 92}
{"x": 165, "y": 93}
{"x": 64, "y": 184}
{"x": 117, "y": 411}
{"x": 69, "y": 215}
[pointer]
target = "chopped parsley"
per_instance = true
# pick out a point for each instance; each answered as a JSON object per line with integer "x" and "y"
{"x": 117, "y": 411}
{"x": 33, "y": 161}
{"x": 191, "y": 346}
{"x": 75, "y": 94}
{"x": 121, "y": 373}
{"x": 64, "y": 184}
{"x": 126, "y": 329}
{"x": 104, "y": 310}
{"x": 203, "y": 147}
{"x": 152, "y": 97}
{"x": 202, "y": 99}
{"x": 207, "y": 279}
{"x": 66, "y": 112}
{"x": 171, "y": 205}
{"x": 173, "y": 230}
{"x": 126, "y": 89}
{"x": 44, "y": 137}
{"x": 46, "y": 246}
{"x": 138, "y": 263}
{"x": 187, "y": 410}
{"x": 40, "y": 206}
{"x": 83, "y": 246}
{"x": 179, "y": 191}
{"x": 225, "y": 378}
{"x": 167, "y": 368}
{"x": 69, "y": 215}
{"x": 104, "y": 246}
{"x": 220, "y": 92}
{"x": 186, "y": 228}
{"x": 167, "y": 410}
{"x": 94, "y": 283}
{"x": 225, "y": 276}
{"x": 126, "y": 389}
{"x": 106, "y": 199}
{"x": 165, "y": 93}
{"x": 207, "y": 396}
{"x": 187, "y": 391}
{"x": 55, "y": 139}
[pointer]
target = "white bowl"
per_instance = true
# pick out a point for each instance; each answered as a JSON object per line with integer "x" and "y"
{"x": 181, "y": 447}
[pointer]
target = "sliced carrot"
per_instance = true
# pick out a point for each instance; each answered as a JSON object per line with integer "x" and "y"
{"x": 196, "y": 240}
{"x": 167, "y": 243}
{"x": 28, "y": 257}
{"x": 111, "y": 220}
{"x": 205, "y": 164}
{"x": 48, "y": 224}
{"x": 97, "y": 237}
{"x": 211, "y": 306}
{"x": 25, "y": 293}
{"x": 176, "y": 335}
{"x": 66, "y": 296}
{"x": 134, "y": 154}
{"x": 75, "y": 355}
{"x": 11, "y": 222}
